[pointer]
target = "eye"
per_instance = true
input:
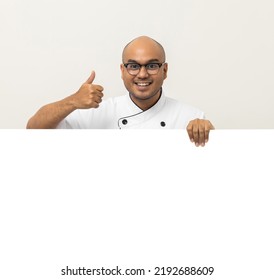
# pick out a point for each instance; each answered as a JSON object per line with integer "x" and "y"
{"x": 152, "y": 66}
{"x": 133, "y": 66}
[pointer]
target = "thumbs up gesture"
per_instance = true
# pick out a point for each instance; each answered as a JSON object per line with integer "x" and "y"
{"x": 89, "y": 95}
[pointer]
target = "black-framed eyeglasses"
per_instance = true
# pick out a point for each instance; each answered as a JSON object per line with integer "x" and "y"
{"x": 152, "y": 68}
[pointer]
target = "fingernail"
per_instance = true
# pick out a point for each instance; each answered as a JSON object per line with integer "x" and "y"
{"x": 197, "y": 144}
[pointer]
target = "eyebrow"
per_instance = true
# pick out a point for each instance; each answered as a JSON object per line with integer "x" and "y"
{"x": 149, "y": 61}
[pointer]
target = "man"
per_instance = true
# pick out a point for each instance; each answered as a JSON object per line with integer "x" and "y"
{"x": 143, "y": 71}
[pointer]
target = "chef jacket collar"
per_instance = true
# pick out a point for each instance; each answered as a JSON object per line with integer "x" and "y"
{"x": 137, "y": 115}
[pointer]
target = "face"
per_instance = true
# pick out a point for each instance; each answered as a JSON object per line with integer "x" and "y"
{"x": 143, "y": 86}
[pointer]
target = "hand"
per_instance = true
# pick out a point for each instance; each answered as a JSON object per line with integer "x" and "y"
{"x": 198, "y": 131}
{"x": 89, "y": 95}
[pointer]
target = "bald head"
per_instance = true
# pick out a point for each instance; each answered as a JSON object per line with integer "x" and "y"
{"x": 142, "y": 45}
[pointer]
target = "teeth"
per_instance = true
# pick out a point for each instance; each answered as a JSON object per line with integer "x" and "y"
{"x": 142, "y": 84}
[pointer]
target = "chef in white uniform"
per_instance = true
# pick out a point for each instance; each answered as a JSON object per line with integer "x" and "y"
{"x": 121, "y": 112}
{"x": 143, "y": 71}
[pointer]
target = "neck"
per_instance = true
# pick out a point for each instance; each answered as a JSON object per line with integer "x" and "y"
{"x": 145, "y": 104}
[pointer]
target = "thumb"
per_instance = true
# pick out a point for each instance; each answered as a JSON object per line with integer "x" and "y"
{"x": 91, "y": 78}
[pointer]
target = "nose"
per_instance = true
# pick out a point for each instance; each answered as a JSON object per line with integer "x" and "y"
{"x": 143, "y": 72}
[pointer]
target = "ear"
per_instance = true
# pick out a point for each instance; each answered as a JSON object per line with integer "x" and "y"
{"x": 165, "y": 70}
{"x": 122, "y": 68}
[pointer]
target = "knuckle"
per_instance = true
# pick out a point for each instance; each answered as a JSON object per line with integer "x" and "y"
{"x": 189, "y": 129}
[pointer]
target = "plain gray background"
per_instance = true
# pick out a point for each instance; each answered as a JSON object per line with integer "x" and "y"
{"x": 220, "y": 53}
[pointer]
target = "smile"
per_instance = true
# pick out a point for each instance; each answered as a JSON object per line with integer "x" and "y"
{"x": 142, "y": 84}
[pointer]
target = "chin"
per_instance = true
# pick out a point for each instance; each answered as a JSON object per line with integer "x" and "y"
{"x": 142, "y": 96}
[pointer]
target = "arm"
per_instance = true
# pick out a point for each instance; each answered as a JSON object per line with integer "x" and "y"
{"x": 49, "y": 116}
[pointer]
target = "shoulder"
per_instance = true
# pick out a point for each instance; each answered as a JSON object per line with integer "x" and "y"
{"x": 182, "y": 107}
{"x": 180, "y": 114}
{"x": 101, "y": 117}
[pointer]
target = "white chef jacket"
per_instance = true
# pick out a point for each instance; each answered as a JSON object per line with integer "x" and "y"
{"x": 122, "y": 113}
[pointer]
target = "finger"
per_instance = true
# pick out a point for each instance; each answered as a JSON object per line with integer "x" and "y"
{"x": 201, "y": 135}
{"x": 196, "y": 135}
{"x": 91, "y": 78}
{"x": 97, "y": 99}
{"x": 97, "y": 93}
{"x": 207, "y": 129}
{"x": 100, "y": 94}
{"x": 190, "y": 131}
{"x": 206, "y": 134}
{"x": 195, "y": 131}
{"x": 95, "y": 103}
{"x": 99, "y": 88}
